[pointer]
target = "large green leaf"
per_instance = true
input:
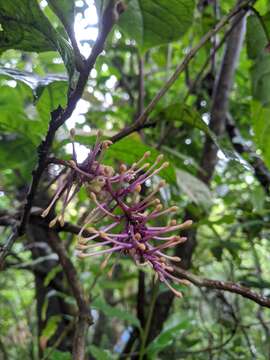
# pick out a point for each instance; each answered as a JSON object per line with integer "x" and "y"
{"x": 165, "y": 338}
{"x": 19, "y": 117}
{"x": 25, "y": 27}
{"x": 256, "y": 37}
{"x": 194, "y": 188}
{"x": 260, "y": 76}
{"x": 100, "y": 354}
{"x": 35, "y": 82}
{"x": 131, "y": 149}
{"x": 17, "y": 154}
{"x": 185, "y": 114}
{"x": 182, "y": 113}
{"x": 261, "y": 127}
{"x": 64, "y": 9}
{"x": 23, "y": 126}
{"x": 53, "y": 95}
{"x": 14, "y": 118}
{"x": 260, "y": 71}
{"x": 156, "y": 22}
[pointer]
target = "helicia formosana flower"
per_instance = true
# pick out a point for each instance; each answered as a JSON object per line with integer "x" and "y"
{"x": 132, "y": 220}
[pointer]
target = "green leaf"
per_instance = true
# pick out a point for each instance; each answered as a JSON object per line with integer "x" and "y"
{"x": 64, "y": 9}
{"x": 54, "y": 95}
{"x": 14, "y": 117}
{"x": 176, "y": 156}
{"x": 52, "y": 274}
{"x": 51, "y": 326}
{"x": 100, "y": 354}
{"x": 156, "y": 22}
{"x": 261, "y": 127}
{"x": 111, "y": 311}
{"x": 131, "y": 149}
{"x": 257, "y": 198}
{"x": 260, "y": 70}
{"x": 194, "y": 188}
{"x": 256, "y": 37}
{"x": 165, "y": 338}
{"x": 183, "y": 113}
{"x": 25, "y": 27}
{"x": 260, "y": 76}
{"x": 17, "y": 154}
{"x": 58, "y": 355}
{"x": 35, "y": 82}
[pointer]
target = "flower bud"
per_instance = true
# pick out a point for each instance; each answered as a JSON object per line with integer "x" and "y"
{"x": 72, "y": 132}
{"x": 122, "y": 168}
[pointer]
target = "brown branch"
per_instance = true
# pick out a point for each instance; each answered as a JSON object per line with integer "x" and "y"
{"x": 221, "y": 94}
{"x": 225, "y": 286}
{"x": 200, "y": 282}
{"x": 214, "y": 51}
{"x": 84, "y": 315}
{"x": 58, "y": 118}
{"x": 181, "y": 67}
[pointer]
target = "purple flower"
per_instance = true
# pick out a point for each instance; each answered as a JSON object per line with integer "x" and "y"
{"x": 117, "y": 198}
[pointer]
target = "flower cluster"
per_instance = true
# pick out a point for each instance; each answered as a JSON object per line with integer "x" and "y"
{"x": 131, "y": 218}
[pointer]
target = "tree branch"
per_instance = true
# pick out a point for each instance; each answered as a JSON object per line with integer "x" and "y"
{"x": 84, "y": 316}
{"x": 225, "y": 286}
{"x": 213, "y": 284}
{"x": 221, "y": 95}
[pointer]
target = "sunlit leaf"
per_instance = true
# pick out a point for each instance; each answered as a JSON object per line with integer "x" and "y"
{"x": 25, "y": 27}
{"x": 51, "y": 326}
{"x": 153, "y": 23}
{"x": 64, "y": 9}
{"x": 35, "y": 82}
{"x": 261, "y": 126}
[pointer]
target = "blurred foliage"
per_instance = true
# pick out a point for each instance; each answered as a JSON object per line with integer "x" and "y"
{"x": 233, "y": 229}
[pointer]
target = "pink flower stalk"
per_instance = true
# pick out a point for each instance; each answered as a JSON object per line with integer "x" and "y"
{"x": 117, "y": 198}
